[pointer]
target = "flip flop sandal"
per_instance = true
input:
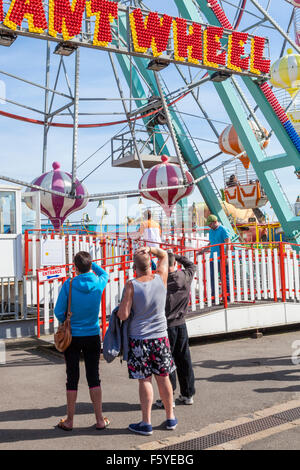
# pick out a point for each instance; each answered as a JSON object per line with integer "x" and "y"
{"x": 106, "y": 424}
{"x": 62, "y": 425}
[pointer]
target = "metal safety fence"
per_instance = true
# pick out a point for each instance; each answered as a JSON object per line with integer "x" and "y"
{"x": 237, "y": 274}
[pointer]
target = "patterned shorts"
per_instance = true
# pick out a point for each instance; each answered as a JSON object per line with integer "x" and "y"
{"x": 149, "y": 356}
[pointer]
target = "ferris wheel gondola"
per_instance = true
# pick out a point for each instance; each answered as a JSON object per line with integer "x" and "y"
{"x": 55, "y": 206}
{"x": 164, "y": 184}
{"x": 230, "y": 143}
{"x": 242, "y": 188}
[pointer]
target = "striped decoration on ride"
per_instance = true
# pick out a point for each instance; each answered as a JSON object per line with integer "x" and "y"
{"x": 56, "y": 207}
{"x": 165, "y": 175}
{"x": 220, "y": 14}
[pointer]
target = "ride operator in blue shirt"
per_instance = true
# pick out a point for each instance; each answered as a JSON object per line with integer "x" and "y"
{"x": 218, "y": 234}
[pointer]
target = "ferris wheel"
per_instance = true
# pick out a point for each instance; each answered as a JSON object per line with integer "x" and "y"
{"x": 206, "y": 122}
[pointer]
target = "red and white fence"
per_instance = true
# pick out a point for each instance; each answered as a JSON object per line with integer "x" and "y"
{"x": 254, "y": 275}
{"x": 70, "y": 243}
{"x": 98, "y": 246}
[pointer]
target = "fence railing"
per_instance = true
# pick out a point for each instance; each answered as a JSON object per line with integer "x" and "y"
{"x": 98, "y": 246}
{"x": 238, "y": 274}
{"x": 10, "y": 298}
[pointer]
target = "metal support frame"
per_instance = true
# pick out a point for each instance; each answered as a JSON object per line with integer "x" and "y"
{"x": 210, "y": 122}
{"x": 192, "y": 161}
{"x": 136, "y": 88}
{"x": 75, "y": 128}
{"x": 276, "y": 25}
{"x": 186, "y": 148}
{"x": 46, "y": 107}
{"x": 33, "y": 186}
{"x": 249, "y": 108}
{"x": 170, "y": 126}
{"x": 289, "y": 223}
{"x": 131, "y": 125}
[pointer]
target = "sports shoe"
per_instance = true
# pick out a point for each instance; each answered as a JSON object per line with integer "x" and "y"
{"x": 160, "y": 404}
{"x": 186, "y": 400}
{"x": 171, "y": 424}
{"x": 141, "y": 428}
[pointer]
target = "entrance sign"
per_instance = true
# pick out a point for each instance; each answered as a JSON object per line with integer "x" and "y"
{"x": 97, "y": 24}
{"x": 50, "y": 274}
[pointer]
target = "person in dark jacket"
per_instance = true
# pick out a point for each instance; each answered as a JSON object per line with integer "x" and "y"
{"x": 87, "y": 288}
{"x": 178, "y": 296}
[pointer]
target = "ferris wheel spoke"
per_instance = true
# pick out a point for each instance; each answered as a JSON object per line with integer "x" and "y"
{"x": 196, "y": 98}
{"x": 288, "y": 32}
{"x": 249, "y": 109}
{"x": 276, "y": 25}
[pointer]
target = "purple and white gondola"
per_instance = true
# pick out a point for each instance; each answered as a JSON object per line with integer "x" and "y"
{"x": 56, "y": 207}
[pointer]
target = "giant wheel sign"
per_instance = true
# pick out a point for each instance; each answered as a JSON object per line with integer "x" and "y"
{"x": 150, "y": 34}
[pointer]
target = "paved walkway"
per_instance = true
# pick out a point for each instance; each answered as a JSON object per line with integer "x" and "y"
{"x": 237, "y": 381}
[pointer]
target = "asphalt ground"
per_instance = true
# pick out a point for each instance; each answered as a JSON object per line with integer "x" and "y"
{"x": 237, "y": 380}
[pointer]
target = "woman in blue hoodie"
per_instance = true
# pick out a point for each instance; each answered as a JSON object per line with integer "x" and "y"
{"x": 87, "y": 288}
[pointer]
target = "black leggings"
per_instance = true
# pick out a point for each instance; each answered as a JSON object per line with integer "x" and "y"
{"x": 90, "y": 347}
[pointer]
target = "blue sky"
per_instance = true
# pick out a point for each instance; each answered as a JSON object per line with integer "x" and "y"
{"x": 22, "y": 143}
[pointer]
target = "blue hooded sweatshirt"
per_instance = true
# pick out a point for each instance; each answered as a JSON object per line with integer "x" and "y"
{"x": 87, "y": 290}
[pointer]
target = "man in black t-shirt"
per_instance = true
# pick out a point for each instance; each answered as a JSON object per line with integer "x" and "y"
{"x": 178, "y": 296}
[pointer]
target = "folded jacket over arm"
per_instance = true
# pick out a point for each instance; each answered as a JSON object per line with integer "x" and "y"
{"x": 115, "y": 341}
